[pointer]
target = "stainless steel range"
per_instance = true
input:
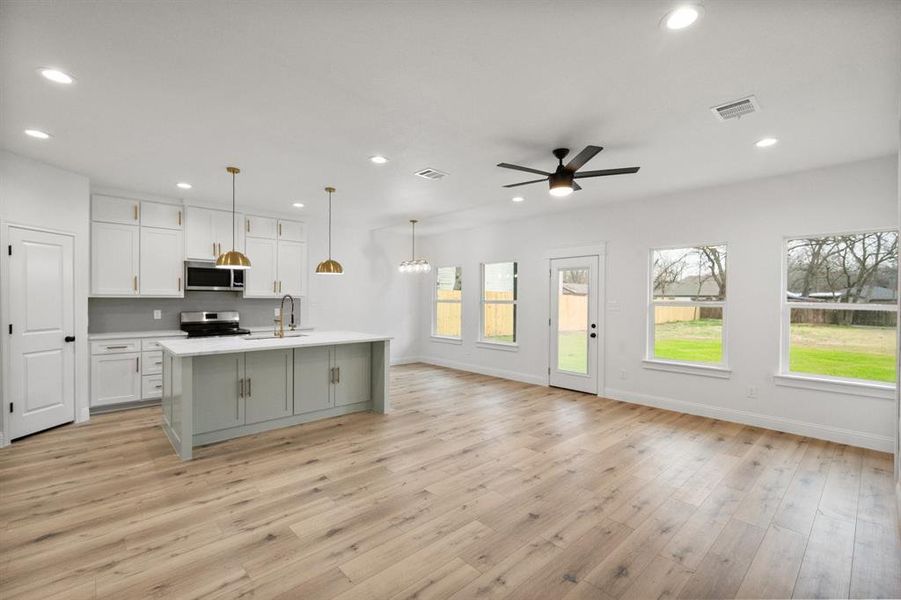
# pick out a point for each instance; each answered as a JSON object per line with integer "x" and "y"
{"x": 212, "y": 324}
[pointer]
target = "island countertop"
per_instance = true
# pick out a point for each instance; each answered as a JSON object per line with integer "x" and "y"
{"x": 231, "y": 344}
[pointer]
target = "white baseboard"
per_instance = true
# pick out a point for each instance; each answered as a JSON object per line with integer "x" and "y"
{"x": 500, "y": 373}
{"x": 840, "y": 435}
{"x": 405, "y": 360}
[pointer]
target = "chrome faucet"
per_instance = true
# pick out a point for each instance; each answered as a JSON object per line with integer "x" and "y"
{"x": 280, "y": 321}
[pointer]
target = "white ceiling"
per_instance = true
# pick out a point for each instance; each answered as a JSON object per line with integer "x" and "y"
{"x": 300, "y": 94}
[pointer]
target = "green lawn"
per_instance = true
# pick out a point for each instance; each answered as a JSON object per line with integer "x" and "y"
{"x": 571, "y": 352}
{"x": 833, "y": 350}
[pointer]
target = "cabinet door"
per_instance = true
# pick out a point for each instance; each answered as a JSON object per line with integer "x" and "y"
{"x": 199, "y": 239}
{"x": 270, "y": 385}
{"x": 162, "y": 262}
{"x": 115, "y": 210}
{"x": 292, "y": 267}
{"x": 164, "y": 216}
{"x": 353, "y": 375}
{"x": 218, "y": 402}
{"x": 222, "y": 231}
{"x": 114, "y": 259}
{"x": 291, "y": 231}
{"x": 312, "y": 379}
{"x": 261, "y": 280}
{"x": 261, "y": 227}
{"x": 115, "y": 378}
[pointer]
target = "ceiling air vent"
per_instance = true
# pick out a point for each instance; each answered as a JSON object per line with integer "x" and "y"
{"x": 736, "y": 109}
{"x": 430, "y": 174}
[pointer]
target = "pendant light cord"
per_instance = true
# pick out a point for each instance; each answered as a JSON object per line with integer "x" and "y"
{"x": 233, "y": 211}
{"x": 330, "y": 226}
{"x": 413, "y": 249}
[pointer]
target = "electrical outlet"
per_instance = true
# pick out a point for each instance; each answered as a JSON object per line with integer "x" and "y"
{"x": 623, "y": 374}
{"x": 157, "y": 315}
{"x": 275, "y": 312}
{"x": 752, "y": 391}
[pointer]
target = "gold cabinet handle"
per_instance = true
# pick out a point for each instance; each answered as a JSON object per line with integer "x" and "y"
{"x": 214, "y": 249}
{"x": 240, "y": 388}
{"x": 249, "y": 393}
{"x": 136, "y": 212}
{"x": 137, "y": 364}
{"x": 135, "y": 283}
{"x": 337, "y": 374}
{"x": 247, "y": 222}
{"x": 279, "y": 286}
{"x": 179, "y": 284}
{"x": 279, "y": 230}
{"x": 218, "y": 249}
{"x": 274, "y": 288}
{"x": 179, "y": 217}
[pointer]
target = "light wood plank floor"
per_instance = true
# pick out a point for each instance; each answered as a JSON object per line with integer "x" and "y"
{"x": 473, "y": 487}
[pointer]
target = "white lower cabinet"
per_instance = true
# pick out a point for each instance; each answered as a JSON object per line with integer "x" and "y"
{"x": 115, "y": 378}
{"x": 122, "y": 373}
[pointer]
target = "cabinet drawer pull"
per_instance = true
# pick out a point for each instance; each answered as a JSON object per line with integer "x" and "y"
{"x": 249, "y": 392}
{"x": 337, "y": 374}
{"x": 158, "y": 386}
{"x": 159, "y": 362}
{"x": 116, "y": 347}
{"x": 240, "y": 388}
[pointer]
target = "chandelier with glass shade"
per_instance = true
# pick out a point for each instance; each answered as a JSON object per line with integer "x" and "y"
{"x": 414, "y": 265}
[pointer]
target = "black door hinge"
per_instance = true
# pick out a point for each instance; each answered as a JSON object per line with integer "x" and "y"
{"x": 10, "y": 328}
{"x": 10, "y": 249}
{"x": 10, "y": 407}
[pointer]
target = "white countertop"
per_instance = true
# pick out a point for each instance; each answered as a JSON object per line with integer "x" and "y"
{"x": 233, "y": 344}
{"x": 119, "y": 335}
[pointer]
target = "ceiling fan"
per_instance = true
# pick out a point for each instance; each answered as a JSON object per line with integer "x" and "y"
{"x": 562, "y": 180}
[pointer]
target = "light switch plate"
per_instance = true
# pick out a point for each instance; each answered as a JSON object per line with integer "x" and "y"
{"x": 157, "y": 315}
{"x": 275, "y": 312}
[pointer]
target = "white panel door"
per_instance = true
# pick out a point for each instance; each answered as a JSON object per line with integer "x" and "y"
{"x": 115, "y": 210}
{"x": 574, "y": 332}
{"x": 165, "y": 216}
{"x": 42, "y": 315}
{"x": 199, "y": 241}
{"x": 261, "y": 280}
{"x": 162, "y": 262}
{"x": 114, "y": 259}
{"x": 292, "y": 266}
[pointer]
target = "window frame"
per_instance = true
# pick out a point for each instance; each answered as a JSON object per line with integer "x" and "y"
{"x": 482, "y": 341}
{"x": 694, "y": 367}
{"x": 436, "y": 301}
{"x": 789, "y": 378}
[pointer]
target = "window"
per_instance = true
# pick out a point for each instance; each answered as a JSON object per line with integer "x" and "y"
{"x": 499, "y": 303}
{"x": 688, "y": 302}
{"x": 448, "y": 313}
{"x": 840, "y": 309}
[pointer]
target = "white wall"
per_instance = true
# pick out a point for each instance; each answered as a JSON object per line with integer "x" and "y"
{"x": 752, "y": 218}
{"x": 36, "y": 194}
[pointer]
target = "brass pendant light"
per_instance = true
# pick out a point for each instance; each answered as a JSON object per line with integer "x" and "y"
{"x": 233, "y": 259}
{"x": 329, "y": 266}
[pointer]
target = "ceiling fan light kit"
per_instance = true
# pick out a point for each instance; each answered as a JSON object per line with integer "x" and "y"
{"x": 414, "y": 265}
{"x": 562, "y": 181}
{"x": 329, "y": 266}
{"x": 233, "y": 259}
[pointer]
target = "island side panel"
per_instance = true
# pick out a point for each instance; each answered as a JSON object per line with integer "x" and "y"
{"x": 186, "y": 402}
{"x": 381, "y": 376}
{"x": 178, "y": 410}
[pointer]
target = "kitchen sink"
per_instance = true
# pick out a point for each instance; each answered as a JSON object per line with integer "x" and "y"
{"x": 272, "y": 336}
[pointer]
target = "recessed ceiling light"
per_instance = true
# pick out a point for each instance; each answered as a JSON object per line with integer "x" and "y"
{"x": 184, "y": 185}
{"x": 297, "y": 205}
{"x": 56, "y": 76}
{"x": 766, "y": 142}
{"x": 37, "y": 133}
{"x": 518, "y": 199}
{"x": 682, "y": 17}
{"x": 378, "y": 159}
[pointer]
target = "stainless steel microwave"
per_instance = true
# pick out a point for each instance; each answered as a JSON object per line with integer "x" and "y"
{"x": 203, "y": 275}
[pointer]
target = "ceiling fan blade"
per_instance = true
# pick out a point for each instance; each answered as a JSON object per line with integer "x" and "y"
{"x": 526, "y": 169}
{"x": 602, "y": 172}
{"x": 576, "y": 187}
{"x": 525, "y": 183}
{"x": 583, "y": 157}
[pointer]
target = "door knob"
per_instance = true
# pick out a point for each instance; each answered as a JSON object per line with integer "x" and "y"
{"x": 594, "y": 325}
{"x": 70, "y": 338}
{"x": 593, "y": 334}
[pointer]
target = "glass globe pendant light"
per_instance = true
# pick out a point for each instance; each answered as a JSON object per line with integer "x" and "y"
{"x": 233, "y": 259}
{"x": 414, "y": 265}
{"x": 329, "y": 266}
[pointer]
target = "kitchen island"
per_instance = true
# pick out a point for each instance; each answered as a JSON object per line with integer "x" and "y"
{"x": 221, "y": 388}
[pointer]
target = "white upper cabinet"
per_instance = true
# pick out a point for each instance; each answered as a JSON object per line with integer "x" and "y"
{"x": 208, "y": 233}
{"x": 162, "y": 261}
{"x": 114, "y": 259}
{"x": 291, "y": 231}
{"x": 115, "y": 210}
{"x": 261, "y": 280}
{"x": 166, "y": 216}
{"x": 292, "y": 260}
{"x": 260, "y": 227}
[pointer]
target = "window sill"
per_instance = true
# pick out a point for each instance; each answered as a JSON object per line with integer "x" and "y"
{"x": 446, "y": 340}
{"x": 688, "y": 368}
{"x": 498, "y": 346}
{"x": 822, "y": 384}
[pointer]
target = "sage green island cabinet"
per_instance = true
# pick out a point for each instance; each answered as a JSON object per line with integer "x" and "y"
{"x": 221, "y": 388}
